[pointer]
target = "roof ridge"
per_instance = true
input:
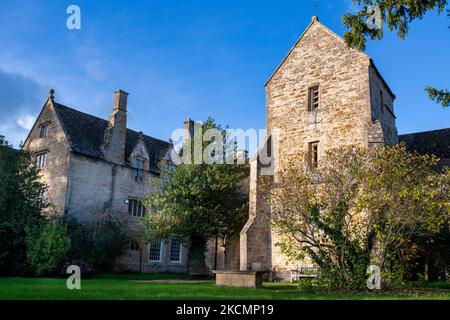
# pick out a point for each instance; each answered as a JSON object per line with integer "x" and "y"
{"x": 57, "y": 104}
{"x": 427, "y": 131}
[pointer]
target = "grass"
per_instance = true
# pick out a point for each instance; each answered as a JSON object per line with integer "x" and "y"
{"x": 129, "y": 287}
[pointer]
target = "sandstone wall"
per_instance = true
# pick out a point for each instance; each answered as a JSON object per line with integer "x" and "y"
{"x": 55, "y": 144}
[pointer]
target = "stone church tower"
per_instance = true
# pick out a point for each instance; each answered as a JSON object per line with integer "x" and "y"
{"x": 323, "y": 95}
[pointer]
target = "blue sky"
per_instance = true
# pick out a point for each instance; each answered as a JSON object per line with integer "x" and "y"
{"x": 181, "y": 59}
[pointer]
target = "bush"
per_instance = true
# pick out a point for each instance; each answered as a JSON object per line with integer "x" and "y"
{"x": 100, "y": 242}
{"x": 111, "y": 237}
{"x": 47, "y": 245}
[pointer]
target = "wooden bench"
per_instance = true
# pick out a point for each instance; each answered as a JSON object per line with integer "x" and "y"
{"x": 304, "y": 271}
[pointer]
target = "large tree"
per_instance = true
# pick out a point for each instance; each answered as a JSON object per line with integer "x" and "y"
{"x": 198, "y": 202}
{"x": 21, "y": 203}
{"x": 356, "y": 209}
{"x": 397, "y": 15}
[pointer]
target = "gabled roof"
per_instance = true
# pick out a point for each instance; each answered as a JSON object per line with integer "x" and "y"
{"x": 85, "y": 135}
{"x": 315, "y": 20}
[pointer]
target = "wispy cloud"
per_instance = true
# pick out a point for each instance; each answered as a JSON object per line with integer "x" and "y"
{"x": 20, "y": 95}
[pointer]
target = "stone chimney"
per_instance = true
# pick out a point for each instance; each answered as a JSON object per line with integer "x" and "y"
{"x": 188, "y": 129}
{"x": 115, "y": 135}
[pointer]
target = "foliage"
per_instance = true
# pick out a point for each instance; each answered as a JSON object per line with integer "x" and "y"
{"x": 198, "y": 202}
{"x": 20, "y": 207}
{"x": 358, "y": 208}
{"x": 47, "y": 245}
{"x": 98, "y": 242}
{"x": 441, "y": 96}
{"x": 312, "y": 211}
{"x": 398, "y": 15}
{"x": 111, "y": 237}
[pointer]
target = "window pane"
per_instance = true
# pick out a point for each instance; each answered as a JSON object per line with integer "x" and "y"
{"x": 155, "y": 251}
{"x": 175, "y": 251}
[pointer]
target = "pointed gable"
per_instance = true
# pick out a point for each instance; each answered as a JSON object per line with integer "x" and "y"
{"x": 322, "y": 37}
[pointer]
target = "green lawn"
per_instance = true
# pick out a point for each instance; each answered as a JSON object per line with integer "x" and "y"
{"x": 128, "y": 287}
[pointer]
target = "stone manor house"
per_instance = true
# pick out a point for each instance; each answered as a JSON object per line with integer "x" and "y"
{"x": 323, "y": 95}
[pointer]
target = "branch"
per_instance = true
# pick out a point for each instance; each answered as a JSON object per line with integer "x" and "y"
{"x": 440, "y": 96}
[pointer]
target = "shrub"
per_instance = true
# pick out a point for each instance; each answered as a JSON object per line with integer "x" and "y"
{"x": 47, "y": 245}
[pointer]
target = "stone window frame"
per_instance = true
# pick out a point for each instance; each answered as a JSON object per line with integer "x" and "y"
{"x": 308, "y": 97}
{"x": 139, "y": 210}
{"x": 139, "y": 168}
{"x": 159, "y": 254}
{"x": 43, "y": 129}
{"x": 180, "y": 251}
{"x": 41, "y": 159}
{"x": 313, "y": 163}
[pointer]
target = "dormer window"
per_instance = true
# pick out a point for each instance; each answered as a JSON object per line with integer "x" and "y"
{"x": 43, "y": 132}
{"x": 139, "y": 169}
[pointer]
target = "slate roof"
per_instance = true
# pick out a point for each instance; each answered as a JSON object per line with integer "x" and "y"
{"x": 85, "y": 135}
{"x": 435, "y": 142}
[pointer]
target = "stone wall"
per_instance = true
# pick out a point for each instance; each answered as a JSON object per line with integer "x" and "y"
{"x": 95, "y": 185}
{"x": 349, "y": 111}
{"x": 55, "y": 144}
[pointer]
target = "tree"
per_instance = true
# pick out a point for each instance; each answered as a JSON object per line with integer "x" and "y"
{"x": 313, "y": 212}
{"x": 21, "y": 203}
{"x": 398, "y": 14}
{"x": 47, "y": 245}
{"x": 198, "y": 202}
{"x": 359, "y": 208}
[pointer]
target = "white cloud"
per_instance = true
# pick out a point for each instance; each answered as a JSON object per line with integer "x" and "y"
{"x": 26, "y": 121}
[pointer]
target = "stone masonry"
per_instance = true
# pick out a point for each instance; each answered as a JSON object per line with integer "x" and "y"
{"x": 355, "y": 107}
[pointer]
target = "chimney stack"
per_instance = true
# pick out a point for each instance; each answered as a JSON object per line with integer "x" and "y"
{"x": 120, "y": 100}
{"x": 115, "y": 135}
{"x": 188, "y": 129}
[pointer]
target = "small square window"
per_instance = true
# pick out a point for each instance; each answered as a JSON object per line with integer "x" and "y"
{"x": 43, "y": 133}
{"x": 314, "y": 154}
{"x": 313, "y": 98}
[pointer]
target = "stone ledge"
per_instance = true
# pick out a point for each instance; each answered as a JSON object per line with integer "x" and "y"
{"x": 240, "y": 279}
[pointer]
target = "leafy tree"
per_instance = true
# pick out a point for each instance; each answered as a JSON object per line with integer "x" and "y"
{"x": 359, "y": 208}
{"x": 398, "y": 15}
{"x": 313, "y": 214}
{"x": 111, "y": 236}
{"x": 47, "y": 245}
{"x": 198, "y": 202}
{"x": 20, "y": 206}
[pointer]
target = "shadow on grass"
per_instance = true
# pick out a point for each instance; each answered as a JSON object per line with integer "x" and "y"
{"x": 143, "y": 276}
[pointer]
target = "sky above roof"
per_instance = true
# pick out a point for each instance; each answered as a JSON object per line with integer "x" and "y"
{"x": 181, "y": 59}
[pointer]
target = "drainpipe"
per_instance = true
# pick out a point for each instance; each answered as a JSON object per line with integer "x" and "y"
{"x": 113, "y": 184}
